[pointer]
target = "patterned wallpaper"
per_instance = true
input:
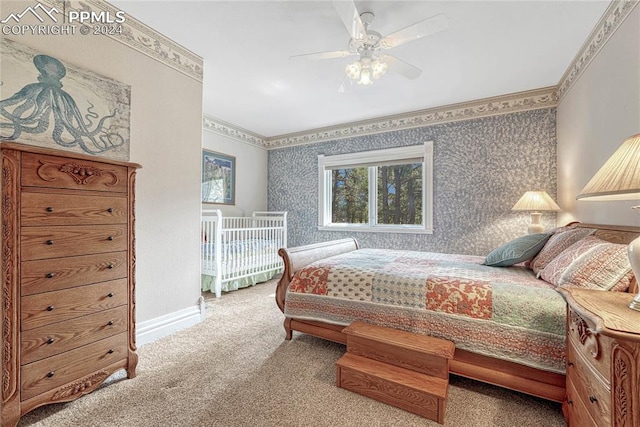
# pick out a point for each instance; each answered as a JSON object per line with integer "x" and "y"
{"x": 481, "y": 168}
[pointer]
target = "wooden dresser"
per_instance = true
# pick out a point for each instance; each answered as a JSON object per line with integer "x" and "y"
{"x": 68, "y": 275}
{"x": 603, "y": 359}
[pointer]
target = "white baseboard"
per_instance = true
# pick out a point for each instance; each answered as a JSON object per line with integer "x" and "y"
{"x": 168, "y": 324}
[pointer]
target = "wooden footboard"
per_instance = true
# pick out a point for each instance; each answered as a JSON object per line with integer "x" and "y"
{"x": 298, "y": 257}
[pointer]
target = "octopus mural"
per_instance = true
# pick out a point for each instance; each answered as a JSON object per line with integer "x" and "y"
{"x": 39, "y": 107}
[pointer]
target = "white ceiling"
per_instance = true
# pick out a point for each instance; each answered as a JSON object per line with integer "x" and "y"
{"x": 491, "y": 48}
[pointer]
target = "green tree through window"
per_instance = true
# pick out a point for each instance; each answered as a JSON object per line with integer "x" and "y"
{"x": 350, "y": 196}
{"x": 400, "y": 194}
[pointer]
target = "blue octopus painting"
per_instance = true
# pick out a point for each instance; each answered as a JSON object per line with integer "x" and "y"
{"x": 43, "y": 106}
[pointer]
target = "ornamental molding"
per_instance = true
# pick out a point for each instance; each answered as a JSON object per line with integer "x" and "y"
{"x": 611, "y": 20}
{"x": 212, "y": 124}
{"x": 140, "y": 37}
{"x": 517, "y": 102}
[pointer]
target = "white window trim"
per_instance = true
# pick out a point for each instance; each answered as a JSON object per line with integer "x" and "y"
{"x": 361, "y": 159}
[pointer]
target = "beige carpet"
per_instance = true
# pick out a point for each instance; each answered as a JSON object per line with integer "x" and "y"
{"x": 236, "y": 369}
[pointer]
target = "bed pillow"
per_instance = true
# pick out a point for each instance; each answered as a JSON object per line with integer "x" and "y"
{"x": 517, "y": 250}
{"x": 556, "y": 244}
{"x": 557, "y": 267}
{"x": 605, "y": 267}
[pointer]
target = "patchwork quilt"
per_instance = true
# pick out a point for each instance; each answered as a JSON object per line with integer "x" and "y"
{"x": 502, "y": 312}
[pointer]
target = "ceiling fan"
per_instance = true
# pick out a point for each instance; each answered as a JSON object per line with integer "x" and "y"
{"x": 368, "y": 44}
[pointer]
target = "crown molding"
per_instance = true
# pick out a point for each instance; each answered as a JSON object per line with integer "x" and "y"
{"x": 512, "y": 103}
{"x": 141, "y": 37}
{"x": 611, "y": 20}
{"x": 212, "y": 124}
{"x": 521, "y": 101}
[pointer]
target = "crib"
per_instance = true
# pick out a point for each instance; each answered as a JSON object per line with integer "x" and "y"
{"x": 241, "y": 251}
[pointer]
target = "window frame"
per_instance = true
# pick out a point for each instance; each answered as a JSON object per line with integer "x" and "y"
{"x": 372, "y": 159}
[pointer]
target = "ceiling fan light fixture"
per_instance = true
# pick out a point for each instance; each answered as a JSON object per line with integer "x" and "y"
{"x": 366, "y": 78}
{"x": 365, "y": 70}
{"x": 379, "y": 68}
{"x": 353, "y": 70}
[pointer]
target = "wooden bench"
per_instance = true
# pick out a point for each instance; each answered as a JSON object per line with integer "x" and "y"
{"x": 403, "y": 369}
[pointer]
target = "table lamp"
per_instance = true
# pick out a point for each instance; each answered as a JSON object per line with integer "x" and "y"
{"x": 619, "y": 179}
{"x": 535, "y": 201}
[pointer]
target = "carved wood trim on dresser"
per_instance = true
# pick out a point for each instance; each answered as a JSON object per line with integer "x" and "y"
{"x": 68, "y": 275}
{"x": 603, "y": 354}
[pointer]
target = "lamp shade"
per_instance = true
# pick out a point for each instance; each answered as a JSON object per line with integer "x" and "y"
{"x": 619, "y": 177}
{"x": 535, "y": 201}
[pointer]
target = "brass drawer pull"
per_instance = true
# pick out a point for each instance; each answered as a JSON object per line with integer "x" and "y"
{"x": 110, "y": 266}
{"x": 110, "y": 351}
{"x": 49, "y": 209}
{"x": 110, "y": 294}
{"x": 50, "y": 341}
{"x": 110, "y": 210}
{"x": 50, "y": 308}
{"x": 49, "y": 242}
{"x": 50, "y": 275}
{"x": 592, "y": 399}
{"x": 51, "y": 374}
{"x": 110, "y": 323}
{"x": 110, "y": 238}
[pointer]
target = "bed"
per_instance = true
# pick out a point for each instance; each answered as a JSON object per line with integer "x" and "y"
{"x": 238, "y": 252}
{"x": 508, "y": 324}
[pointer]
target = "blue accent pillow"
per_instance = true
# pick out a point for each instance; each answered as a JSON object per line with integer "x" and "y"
{"x": 518, "y": 250}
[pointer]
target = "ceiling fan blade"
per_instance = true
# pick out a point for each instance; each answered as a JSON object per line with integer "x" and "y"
{"x": 399, "y": 66}
{"x": 323, "y": 55}
{"x": 350, "y": 17}
{"x": 346, "y": 85}
{"x": 416, "y": 31}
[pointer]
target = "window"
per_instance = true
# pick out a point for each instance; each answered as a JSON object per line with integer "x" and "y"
{"x": 383, "y": 190}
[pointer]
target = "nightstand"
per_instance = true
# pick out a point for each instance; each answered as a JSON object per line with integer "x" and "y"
{"x": 603, "y": 352}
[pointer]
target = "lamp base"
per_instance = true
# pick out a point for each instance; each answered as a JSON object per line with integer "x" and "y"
{"x": 634, "y": 260}
{"x": 535, "y": 226}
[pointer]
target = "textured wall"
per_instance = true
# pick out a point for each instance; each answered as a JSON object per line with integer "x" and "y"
{"x": 481, "y": 168}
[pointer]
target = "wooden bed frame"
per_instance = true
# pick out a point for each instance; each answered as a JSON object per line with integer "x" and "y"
{"x": 547, "y": 385}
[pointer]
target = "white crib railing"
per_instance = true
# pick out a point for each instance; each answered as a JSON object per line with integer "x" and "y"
{"x": 237, "y": 247}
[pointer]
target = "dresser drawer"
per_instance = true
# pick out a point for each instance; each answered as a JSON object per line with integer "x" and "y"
{"x": 589, "y": 387}
{"x": 59, "y": 337}
{"x": 47, "y": 275}
{"x": 46, "y": 209}
{"x": 39, "y": 170}
{"x": 590, "y": 344}
{"x": 578, "y": 414}
{"x": 64, "y": 241}
{"x": 51, "y": 307}
{"x": 44, "y": 375}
